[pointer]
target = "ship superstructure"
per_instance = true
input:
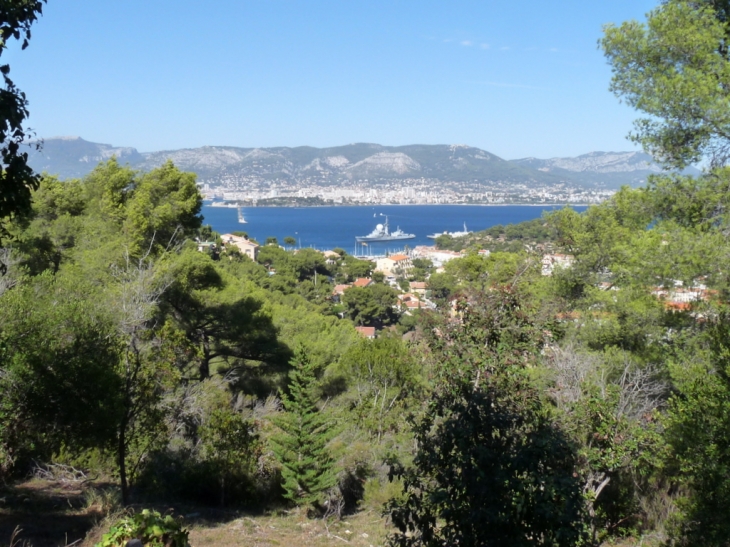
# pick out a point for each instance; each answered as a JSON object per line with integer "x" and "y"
{"x": 383, "y": 233}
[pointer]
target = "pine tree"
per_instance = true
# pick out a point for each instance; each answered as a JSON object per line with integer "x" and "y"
{"x": 307, "y": 467}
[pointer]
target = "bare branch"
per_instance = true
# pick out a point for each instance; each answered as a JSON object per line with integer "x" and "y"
{"x": 572, "y": 371}
{"x": 8, "y": 278}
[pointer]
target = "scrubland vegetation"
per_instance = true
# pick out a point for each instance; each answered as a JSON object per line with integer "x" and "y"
{"x": 585, "y": 407}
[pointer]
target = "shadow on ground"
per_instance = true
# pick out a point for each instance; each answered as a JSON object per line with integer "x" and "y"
{"x": 58, "y": 514}
{"x": 48, "y": 514}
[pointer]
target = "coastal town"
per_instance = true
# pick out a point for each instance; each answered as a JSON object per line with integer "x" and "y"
{"x": 396, "y": 270}
{"x": 253, "y": 191}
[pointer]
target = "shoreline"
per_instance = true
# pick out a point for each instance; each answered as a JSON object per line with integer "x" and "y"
{"x": 399, "y": 205}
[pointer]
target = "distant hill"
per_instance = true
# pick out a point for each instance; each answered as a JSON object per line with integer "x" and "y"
{"x": 71, "y": 157}
{"x": 612, "y": 169}
{"x": 453, "y": 163}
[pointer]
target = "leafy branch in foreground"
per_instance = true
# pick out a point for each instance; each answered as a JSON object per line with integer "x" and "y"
{"x": 17, "y": 179}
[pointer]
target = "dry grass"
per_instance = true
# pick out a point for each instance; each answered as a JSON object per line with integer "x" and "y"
{"x": 45, "y": 513}
{"x": 42, "y": 513}
{"x": 50, "y": 514}
{"x": 365, "y": 529}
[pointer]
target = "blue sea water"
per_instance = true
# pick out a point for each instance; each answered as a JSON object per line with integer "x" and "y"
{"x": 329, "y": 227}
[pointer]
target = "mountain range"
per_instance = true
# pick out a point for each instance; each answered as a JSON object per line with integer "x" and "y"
{"x": 73, "y": 157}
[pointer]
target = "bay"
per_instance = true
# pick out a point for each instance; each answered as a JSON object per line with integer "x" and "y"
{"x": 329, "y": 227}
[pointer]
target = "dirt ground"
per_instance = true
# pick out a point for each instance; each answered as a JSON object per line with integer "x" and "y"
{"x": 62, "y": 514}
{"x": 52, "y": 514}
{"x": 47, "y": 514}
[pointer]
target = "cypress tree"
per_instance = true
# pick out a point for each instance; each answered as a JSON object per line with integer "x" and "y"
{"x": 307, "y": 467}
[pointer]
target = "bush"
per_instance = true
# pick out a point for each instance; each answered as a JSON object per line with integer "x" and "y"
{"x": 184, "y": 476}
{"x": 150, "y": 527}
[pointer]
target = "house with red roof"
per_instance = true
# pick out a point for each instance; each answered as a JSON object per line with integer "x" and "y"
{"x": 362, "y": 282}
{"x": 366, "y": 332}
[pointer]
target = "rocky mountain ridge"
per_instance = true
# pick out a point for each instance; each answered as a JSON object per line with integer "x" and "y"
{"x": 71, "y": 157}
{"x": 612, "y": 168}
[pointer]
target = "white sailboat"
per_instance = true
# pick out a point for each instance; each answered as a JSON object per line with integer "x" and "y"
{"x": 241, "y": 220}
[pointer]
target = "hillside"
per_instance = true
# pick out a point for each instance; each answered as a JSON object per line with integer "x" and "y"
{"x": 71, "y": 157}
{"x": 612, "y": 169}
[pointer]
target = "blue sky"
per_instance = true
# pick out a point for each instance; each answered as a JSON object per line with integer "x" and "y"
{"x": 515, "y": 78}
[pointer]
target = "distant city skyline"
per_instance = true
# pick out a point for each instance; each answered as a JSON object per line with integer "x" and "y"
{"x": 517, "y": 80}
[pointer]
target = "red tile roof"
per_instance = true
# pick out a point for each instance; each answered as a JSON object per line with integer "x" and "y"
{"x": 367, "y": 332}
{"x": 362, "y": 282}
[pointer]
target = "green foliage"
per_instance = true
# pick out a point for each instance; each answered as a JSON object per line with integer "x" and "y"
{"x": 479, "y": 271}
{"x": 150, "y": 527}
{"x": 422, "y": 268}
{"x": 513, "y": 238}
{"x": 696, "y": 203}
{"x": 55, "y": 198}
{"x": 384, "y": 373}
{"x": 530, "y": 231}
{"x": 490, "y": 467}
{"x": 354, "y": 268}
{"x": 307, "y": 466}
{"x": 57, "y": 378}
{"x": 371, "y": 305}
{"x": 698, "y": 430}
{"x": 446, "y": 242}
{"x": 164, "y": 207}
{"x": 231, "y": 445}
{"x": 17, "y": 179}
{"x": 218, "y": 317}
{"x": 442, "y": 286}
{"x": 669, "y": 69}
{"x": 306, "y": 262}
{"x": 292, "y": 268}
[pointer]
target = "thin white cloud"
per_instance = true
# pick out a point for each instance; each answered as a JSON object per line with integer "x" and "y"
{"x": 504, "y": 48}
{"x": 484, "y": 46}
{"x": 466, "y": 43}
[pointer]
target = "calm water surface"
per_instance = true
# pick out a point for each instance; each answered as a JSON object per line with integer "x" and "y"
{"x": 329, "y": 227}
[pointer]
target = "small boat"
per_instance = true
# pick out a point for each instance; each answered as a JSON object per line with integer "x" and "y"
{"x": 241, "y": 220}
{"x": 452, "y": 234}
{"x": 382, "y": 233}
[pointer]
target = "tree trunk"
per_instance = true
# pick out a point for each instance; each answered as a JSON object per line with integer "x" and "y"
{"x": 204, "y": 368}
{"x": 223, "y": 490}
{"x": 122, "y": 462}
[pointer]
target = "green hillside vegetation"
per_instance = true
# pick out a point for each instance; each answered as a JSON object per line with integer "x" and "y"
{"x": 128, "y": 353}
{"x": 535, "y": 235}
{"x": 590, "y": 406}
